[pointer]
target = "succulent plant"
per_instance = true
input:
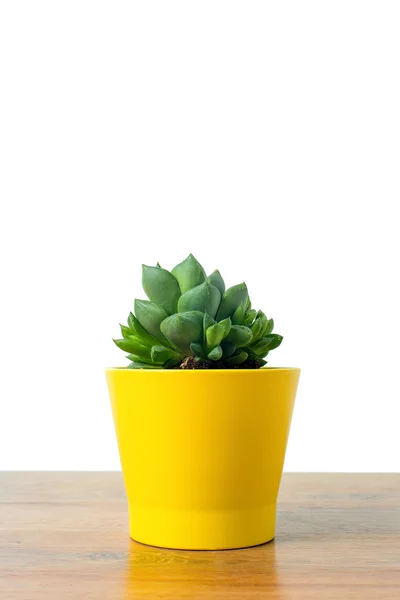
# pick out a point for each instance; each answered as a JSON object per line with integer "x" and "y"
{"x": 191, "y": 321}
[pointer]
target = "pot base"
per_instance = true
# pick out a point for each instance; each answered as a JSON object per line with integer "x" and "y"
{"x": 202, "y": 530}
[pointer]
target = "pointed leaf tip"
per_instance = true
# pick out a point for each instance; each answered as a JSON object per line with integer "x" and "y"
{"x": 215, "y": 334}
{"x": 231, "y": 300}
{"x": 150, "y": 316}
{"x": 161, "y": 287}
{"x": 240, "y": 336}
{"x": 270, "y": 327}
{"x": 182, "y": 329}
{"x": 216, "y": 279}
{"x": 236, "y": 359}
{"x": 215, "y": 354}
{"x": 197, "y": 349}
{"x": 204, "y": 297}
{"x": 189, "y": 273}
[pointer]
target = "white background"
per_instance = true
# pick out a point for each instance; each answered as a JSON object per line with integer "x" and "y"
{"x": 264, "y": 138}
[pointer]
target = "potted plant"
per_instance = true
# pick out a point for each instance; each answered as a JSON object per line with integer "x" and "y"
{"x": 201, "y": 427}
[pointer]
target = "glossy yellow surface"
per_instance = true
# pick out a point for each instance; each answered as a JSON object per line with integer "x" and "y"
{"x": 202, "y": 453}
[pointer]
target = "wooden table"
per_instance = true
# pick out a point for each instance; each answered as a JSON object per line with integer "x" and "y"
{"x": 65, "y": 535}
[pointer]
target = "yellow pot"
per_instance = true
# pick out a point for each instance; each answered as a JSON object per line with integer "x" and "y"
{"x": 202, "y": 453}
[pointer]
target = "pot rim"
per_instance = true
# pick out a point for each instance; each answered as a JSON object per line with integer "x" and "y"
{"x": 261, "y": 370}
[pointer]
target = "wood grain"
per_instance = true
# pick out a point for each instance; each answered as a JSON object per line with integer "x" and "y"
{"x": 64, "y": 535}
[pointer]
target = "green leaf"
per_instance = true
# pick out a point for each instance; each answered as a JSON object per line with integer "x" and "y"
{"x": 226, "y": 324}
{"x": 161, "y": 287}
{"x": 232, "y": 298}
{"x": 240, "y": 336}
{"x": 256, "y": 329}
{"x": 276, "y": 340}
{"x": 208, "y": 321}
{"x": 140, "y": 332}
{"x": 132, "y": 321}
{"x": 249, "y": 317}
{"x": 216, "y": 279}
{"x": 270, "y": 327}
{"x": 238, "y": 315}
{"x": 171, "y": 363}
{"x": 197, "y": 350}
{"x": 136, "y": 358}
{"x": 150, "y": 317}
{"x": 259, "y": 326}
{"x": 126, "y": 331}
{"x": 266, "y": 344}
{"x": 205, "y": 297}
{"x": 141, "y": 365}
{"x": 214, "y": 335}
{"x": 189, "y": 273}
{"x": 236, "y": 359}
{"x": 216, "y": 353}
{"x": 250, "y": 352}
{"x": 262, "y": 346}
{"x": 228, "y": 348}
{"x": 123, "y": 344}
{"x": 160, "y": 354}
{"x": 182, "y": 329}
{"x": 133, "y": 345}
